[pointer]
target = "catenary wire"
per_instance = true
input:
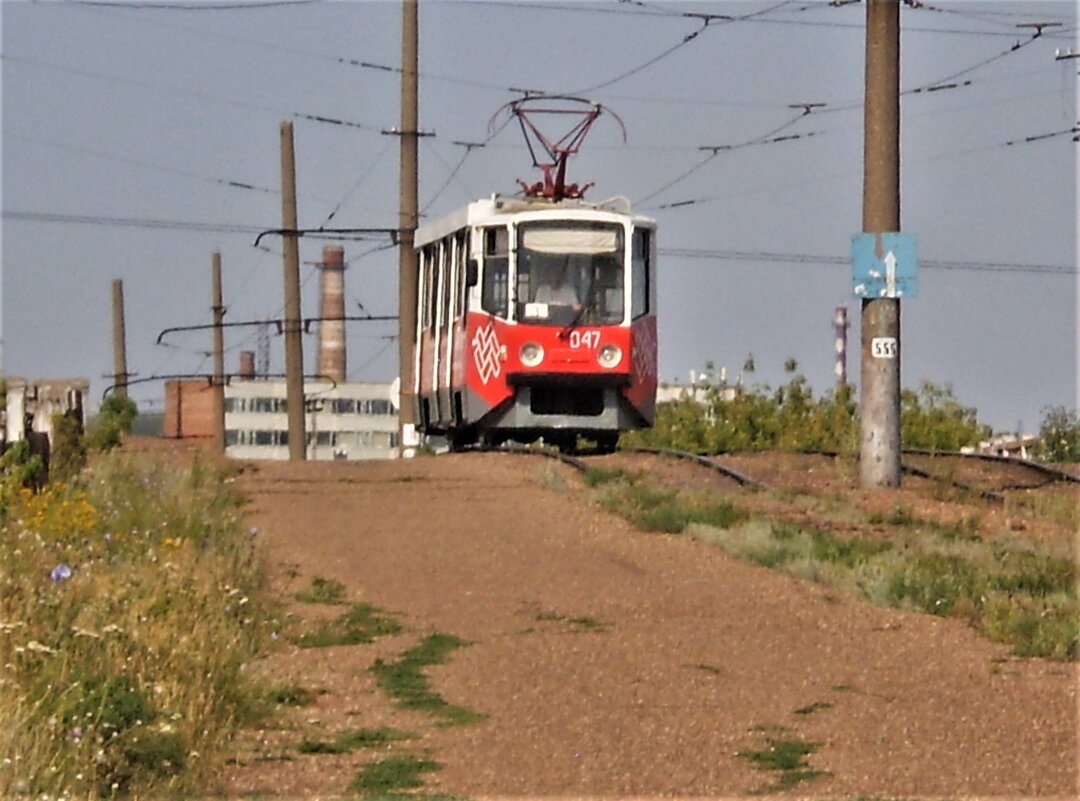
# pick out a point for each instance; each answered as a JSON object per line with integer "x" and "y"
{"x": 363, "y": 177}
{"x": 255, "y": 5}
{"x": 231, "y": 183}
{"x": 319, "y": 118}
{"x": 803, "y": 258}
{"x": 704, "y": 19}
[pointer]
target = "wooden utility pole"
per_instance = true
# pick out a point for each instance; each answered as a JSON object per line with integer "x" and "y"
{"x": 120, "y": 371}
{"x": 407, "y": 219}
{"x": 218, "y": 311}
{"x": 294, "y": 353}
{"x": 879, "y": 407}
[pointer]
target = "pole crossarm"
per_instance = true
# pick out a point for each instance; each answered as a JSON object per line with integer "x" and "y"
{"x": 209, "y": 378}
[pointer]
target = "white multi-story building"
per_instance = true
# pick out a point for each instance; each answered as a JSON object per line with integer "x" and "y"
{"x": 342, "y": 421}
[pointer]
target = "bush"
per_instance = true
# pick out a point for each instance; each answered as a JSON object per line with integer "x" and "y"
{"x": 791, "y": 418}
{"x": 67, "y": 456}
{"x": 19, "y": 468}
{"x": 932, "y": 419}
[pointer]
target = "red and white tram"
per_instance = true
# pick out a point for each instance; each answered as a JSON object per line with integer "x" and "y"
{"x": 536, "y": 319}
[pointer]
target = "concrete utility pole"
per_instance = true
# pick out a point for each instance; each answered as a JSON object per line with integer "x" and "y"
{"x": 1062, "y": 55}
{"x": 218, "y": 311}
{"x": 120, "y": 371}
{"x": 407, "y": 219}
{"x": 294, "y": 352}
{"x": 879, "y": 407}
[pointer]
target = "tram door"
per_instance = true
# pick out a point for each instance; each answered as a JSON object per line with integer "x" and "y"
{"x": 439, "y": 303}
{"x": 453, "y": 378}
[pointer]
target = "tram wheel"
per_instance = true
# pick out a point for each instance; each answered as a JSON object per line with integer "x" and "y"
{"x": 606, "y": 443}
{"x": 461, "y": 439}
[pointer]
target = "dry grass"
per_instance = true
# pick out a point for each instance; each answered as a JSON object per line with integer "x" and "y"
{"x": 128, "y": 603}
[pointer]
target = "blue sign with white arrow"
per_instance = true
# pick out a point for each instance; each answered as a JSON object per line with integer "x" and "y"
{"x": 884, "y": 265}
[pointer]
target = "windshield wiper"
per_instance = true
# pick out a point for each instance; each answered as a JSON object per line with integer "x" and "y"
{"x": 570, "y": 326}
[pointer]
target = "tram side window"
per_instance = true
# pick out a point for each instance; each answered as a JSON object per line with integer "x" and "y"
{"x": 639, "y": 273}
{"x": 445, "y": 264}
{"x": 461, "y": 256}
{"x": 426, "y": 270}
{"x": 495, "y": 294}
{"x": 437, "y": 264}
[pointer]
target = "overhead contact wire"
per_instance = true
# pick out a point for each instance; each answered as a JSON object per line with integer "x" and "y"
{"x": 765, "y": 138}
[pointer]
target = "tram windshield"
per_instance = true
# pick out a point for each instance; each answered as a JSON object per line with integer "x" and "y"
{"x": 570, "y": 273}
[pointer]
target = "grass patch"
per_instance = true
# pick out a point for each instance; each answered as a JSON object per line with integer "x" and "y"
{"x": 810, "y": 709}
{"x": 349, "y": 741}
{"x": 393, "y": 774}
{"x": 256, "y": 702}
{"x": 599, "y": 476}
{"x": 846, "y": 551}
{"x": 1014, "y": 593}
{"x": 323, "y": 591}
{"x": 404, "y": 680}
{"x": 786, "y": 756}
{"x": 585, "y": 623}
{"x": 1061, "y": 507}
{"x": 662, "y": 510}
{"x": 900, "y": 516}
{"x": 291, "y": 695}
{"x": 361, "y": 624}
{"x": 711, "y": 669}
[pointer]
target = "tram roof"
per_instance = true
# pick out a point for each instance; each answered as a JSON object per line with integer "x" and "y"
{"x": 489, "y": 210}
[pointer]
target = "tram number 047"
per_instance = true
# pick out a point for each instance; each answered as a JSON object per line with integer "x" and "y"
{"x": 584, "y": 339}
{"x": 884, "y": 347}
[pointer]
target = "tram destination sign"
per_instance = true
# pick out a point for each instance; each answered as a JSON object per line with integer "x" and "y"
{"x": 884, "y": 265}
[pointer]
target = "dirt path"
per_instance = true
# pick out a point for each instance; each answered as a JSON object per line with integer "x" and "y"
{"x": 614, "y": 663}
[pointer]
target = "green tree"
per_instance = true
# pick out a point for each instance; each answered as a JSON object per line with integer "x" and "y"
{"x": 114, "y": 419}
{"x": 1060, "y": 435}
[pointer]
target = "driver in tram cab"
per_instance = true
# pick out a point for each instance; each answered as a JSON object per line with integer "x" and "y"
{"x": 557, "y": 292}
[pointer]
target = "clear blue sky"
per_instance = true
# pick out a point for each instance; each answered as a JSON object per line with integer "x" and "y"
{"x": 127, "y": 125}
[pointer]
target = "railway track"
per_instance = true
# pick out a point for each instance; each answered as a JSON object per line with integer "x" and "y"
{"x": 1046, "y": 473}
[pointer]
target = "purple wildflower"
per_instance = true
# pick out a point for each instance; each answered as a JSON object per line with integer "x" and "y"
{"x": 60, "y": 573}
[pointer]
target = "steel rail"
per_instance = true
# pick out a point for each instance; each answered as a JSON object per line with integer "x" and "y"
{"x": 1037, "y": 467}
{"x": 704, "y": 461}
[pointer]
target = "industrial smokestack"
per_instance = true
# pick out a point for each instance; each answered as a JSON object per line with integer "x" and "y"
{"x": 332, "y": 326}
{"x": 247, "y": 364}
{"x": 841, "y": 324}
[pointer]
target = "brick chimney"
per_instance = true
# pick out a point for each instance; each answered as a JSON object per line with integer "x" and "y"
{"x": 332, "y": 327}
{"x": 247, "y": 364}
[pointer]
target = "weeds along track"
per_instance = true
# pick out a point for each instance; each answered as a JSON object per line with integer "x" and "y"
{"x": 986, "y": 475}
{"x": 583, "y": 463}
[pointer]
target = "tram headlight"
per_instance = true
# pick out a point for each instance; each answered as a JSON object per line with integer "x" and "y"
{"x": 609, "y": 356}
{"x": 531, "y": 354}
